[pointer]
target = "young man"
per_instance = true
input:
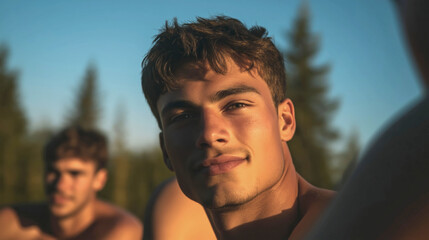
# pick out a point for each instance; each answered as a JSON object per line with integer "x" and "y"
{"x": 75, "y": 161}
{"x": 217, "y": 90}
{"x": 387, "y": 197}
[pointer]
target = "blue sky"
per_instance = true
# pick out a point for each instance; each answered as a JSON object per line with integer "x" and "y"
{"x": 52, "y": 42}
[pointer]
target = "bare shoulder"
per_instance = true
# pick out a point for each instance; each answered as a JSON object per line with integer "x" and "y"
{"x": 171, "y": 191}
{"x": 9, "y": 222}
{"x": 115, "y": 223}
{"x": 175, "y": 216}
{"x": 312, "y": 202}
{"x": 21, "y": 222}
{"x": 172, "y": 202}
{"x": 8, "y": 213}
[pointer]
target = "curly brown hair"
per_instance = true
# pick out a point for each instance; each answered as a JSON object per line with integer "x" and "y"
{"x": 77, "y": 142}
{"x": 212, "y": 41}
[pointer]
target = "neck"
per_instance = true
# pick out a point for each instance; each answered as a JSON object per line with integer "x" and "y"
{"x": 71, "y": 226}
{"x": 273, "y": 214}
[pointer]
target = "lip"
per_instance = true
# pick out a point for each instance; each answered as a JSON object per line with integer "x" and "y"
{"x": 218, "y": 165}
{"x": 59, "y": 199}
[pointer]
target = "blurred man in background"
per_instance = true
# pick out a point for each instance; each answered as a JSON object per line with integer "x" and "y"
{"x": 387, "y": 196}
{"x": 75, "y": 163}
{"x": 218, "y": 90}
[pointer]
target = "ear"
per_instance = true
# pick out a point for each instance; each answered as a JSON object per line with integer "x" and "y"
{"x": 286, "y": 115}
{"x": 164, "y": 152}
{"x": 100, "y": 179}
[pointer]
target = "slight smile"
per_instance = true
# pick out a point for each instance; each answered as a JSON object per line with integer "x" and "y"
{"x": 220, "y": 164}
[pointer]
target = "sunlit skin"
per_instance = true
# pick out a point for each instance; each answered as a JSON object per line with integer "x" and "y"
{"x": 223, "y": 136}
{"x": 174, "y": 216}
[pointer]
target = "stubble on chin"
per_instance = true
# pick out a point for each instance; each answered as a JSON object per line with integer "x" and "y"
{"x": 75, "y": 210}
{"x": 226, "y": 201}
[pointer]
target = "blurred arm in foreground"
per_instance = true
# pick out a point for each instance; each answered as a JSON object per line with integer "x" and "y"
{"x": 387, "y": 196}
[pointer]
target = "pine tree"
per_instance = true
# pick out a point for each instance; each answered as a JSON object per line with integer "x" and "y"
{"x": 34, "y": 163}
{"x": 12, "y": 132}
{"x": 121, "y": 162}
{"x": 308, "y": 89}
{"x": 86, "y": 111}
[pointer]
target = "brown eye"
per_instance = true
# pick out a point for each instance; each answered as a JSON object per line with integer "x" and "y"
{"x": 75, "y": 173}
{"x": 181, "y": 117}
{"x": 237, "y": 105}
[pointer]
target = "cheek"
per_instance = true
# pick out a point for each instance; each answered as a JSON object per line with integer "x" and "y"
{"x": 178, "y": 142}
{"x": 258, "y": 127}
{"x": 262, "y": 135}
{"x": 83, "y": 185}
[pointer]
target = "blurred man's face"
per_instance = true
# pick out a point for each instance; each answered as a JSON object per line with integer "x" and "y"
{"x": 221, "y": 135}
{"x": 71, "y": 185}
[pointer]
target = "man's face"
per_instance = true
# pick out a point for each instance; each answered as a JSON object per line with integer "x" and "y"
{"x": 71, "y": 185}
{"x": 221, "y": 135}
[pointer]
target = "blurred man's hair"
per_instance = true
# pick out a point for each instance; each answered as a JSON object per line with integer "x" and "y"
{"x": 76, "y": 142}
{"x": 210, "y": 41}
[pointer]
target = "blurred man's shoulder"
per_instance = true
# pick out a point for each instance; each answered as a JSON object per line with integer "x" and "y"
{"x": 23, "y": 221}
{"x": 26, "y": 213}
{"x": 9, "y": 218}
{"x": 116, "y": 222}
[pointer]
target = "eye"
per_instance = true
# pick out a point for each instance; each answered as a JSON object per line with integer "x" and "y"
{"x": 236, "y": 105}
{"x": 75, "y": 173}
{"x": 180, "y": 117}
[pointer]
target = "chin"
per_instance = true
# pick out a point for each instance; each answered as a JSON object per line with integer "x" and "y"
{"x": 61, "y": 211}
{"x": 227, "y": 201}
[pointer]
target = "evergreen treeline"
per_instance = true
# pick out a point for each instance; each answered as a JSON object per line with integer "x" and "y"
{"x": 308, "y": 88}
{"x": 134, "y": 175}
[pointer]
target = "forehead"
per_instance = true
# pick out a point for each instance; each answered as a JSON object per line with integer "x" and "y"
{"x": 73, "y": 163}
{"x": 198, "y": 79}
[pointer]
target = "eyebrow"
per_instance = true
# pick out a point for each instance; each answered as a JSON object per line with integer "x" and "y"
{"x": 76, "y": 171}
{"x": 217, "y": 96}
{"x": 232, "y": 91}
{"x": 176, "y": 104}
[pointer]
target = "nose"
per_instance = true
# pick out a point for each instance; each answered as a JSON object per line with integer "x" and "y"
{"x": 213, "y": 130}
{"x": 61, "y": 182}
